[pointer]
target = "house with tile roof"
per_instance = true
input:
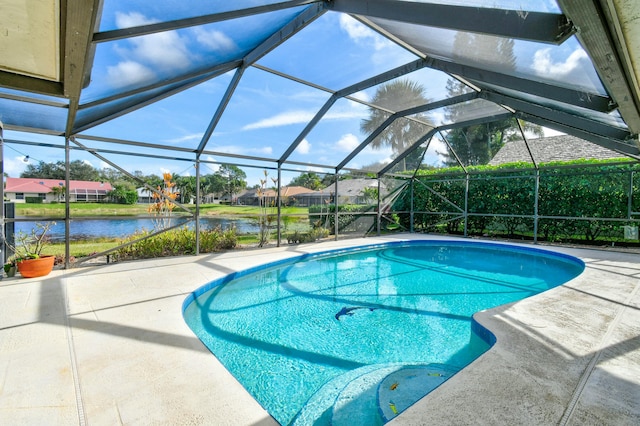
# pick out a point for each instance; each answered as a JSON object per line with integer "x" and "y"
{"x": 554, "y": 148}
{"x": 290, "y": 195}
{"x": 352, "y": 191}
{"x": 19, "y": 190}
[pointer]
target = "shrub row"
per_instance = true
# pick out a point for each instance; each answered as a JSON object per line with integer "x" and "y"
{"x": 503, "y": 201}
{"x": 176, "y": 242}
{"x": 315, "y": 234}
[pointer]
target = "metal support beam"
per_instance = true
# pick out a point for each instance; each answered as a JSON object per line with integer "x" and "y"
{"x": 432, "y": 132}
{"x": 307, "y": 129}
{"x": 518, "y": 24}
{"x": 81, "y": 17}
{"x": 221, "y": 107}
{"x": 197, "y": 213}
{"x": 123, "y": 108}
{"x": 67, "y": 205}
{"x": 379, "y": 210}
{"x": 410, "y": 111}
{"x": 3, "y": 246}
{"x": 336, "y": 228}
{"x": 130, "y": 175}
{"x": 367, "y": 141}
{"x": 305, "y": 18}
{"x": 592, "y": 101}
{"x": 594, "y": 33}
{"x": 188, "y": 80}
{"x": 526, "y": 144}
{"x": 465, "y": 214}
{"x": 564, "y": 117}
{"x": 177, "y": 24}
{"x": 365, "y": 84}
{"x": 279, "y": 206}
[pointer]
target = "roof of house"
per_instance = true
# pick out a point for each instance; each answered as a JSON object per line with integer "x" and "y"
{"x": 555, "y": 148}
{"x": 351, "y": 187}
{"x": 43, "y": 186}
{"x": 286, "y": 191}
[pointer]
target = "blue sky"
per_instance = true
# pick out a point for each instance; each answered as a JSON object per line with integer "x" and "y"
{"x": 267, "y": 112}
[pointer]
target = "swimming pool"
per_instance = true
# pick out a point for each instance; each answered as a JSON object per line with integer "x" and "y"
{"x": 363, "y": 333}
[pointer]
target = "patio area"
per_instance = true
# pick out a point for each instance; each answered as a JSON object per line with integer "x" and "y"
{"x": 105, "y": 345}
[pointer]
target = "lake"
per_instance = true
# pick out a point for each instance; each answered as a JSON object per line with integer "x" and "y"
{"x": 83, "y": 229}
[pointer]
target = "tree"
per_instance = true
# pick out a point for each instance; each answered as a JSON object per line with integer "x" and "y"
{"x": 398, "y": 95}
{"x": 78, "y": 170}
{"x": 123, "y": 193}
{"x": 58, "y": 192}
{"x": 108, "y": 174}
{"x": 212, "y": 184}
{"x": 478, "y": 144}
{"x": 44, "y": 170}
{"x": 152, "y": 180}
{"x": 187, "y": 187}
{"x": 307, "y": 180}
{"x": 234, "y": 179}
{"x": 369, "y": 194}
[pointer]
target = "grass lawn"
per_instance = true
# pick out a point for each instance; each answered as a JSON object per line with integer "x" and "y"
{"x": 82, "y": 248}
{"x": 99, "y": 209}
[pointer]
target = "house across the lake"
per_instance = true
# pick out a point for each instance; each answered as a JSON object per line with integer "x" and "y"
{"x": 23, "y": 190}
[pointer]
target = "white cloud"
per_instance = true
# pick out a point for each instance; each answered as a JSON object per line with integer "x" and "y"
{"x": 362, "y": 34}
{"x": 347, "y": 143}
{"x": 215, "y": 41}
{"x": 304, "y": 147}
{"x": 354, "y": 111}
{"x": 284, "y": 119}
{"x": 437, "y": 117}
{"x": 128, "y": 73}
{"x": 544, "y": 65}
{"x": 362, "y": 95}
{"x": 133, "y": 19}
{"x": 165, "y": 50}
{"x": 140, "y": 55}
{"x": 186, "y": 138}
{"x": 14, "y": 166}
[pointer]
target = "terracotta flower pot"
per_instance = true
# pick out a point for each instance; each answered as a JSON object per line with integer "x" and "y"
{"x": 30, "y": 268}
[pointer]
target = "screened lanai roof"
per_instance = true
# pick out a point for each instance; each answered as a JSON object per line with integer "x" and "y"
{"x": 289, "y": 82}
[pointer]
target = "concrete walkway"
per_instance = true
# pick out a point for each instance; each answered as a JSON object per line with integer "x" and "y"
{"x": 107, "y": 345}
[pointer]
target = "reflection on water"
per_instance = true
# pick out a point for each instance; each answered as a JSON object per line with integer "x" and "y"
{"x": 84, "y": 229}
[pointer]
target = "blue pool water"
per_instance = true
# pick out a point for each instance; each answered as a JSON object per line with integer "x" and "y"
{"x": 356, "y": 336}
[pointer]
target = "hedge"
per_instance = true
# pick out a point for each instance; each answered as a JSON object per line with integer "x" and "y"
{"x": 176, "y": 242}
{"x": 590, "y": 189}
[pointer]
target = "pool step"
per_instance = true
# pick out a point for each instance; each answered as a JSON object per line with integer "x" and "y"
{"x": 373, "y": 395}
{"x": 321, "y": 409}
{"x": 402, "y": 388}
{"x": 359, "y": 399}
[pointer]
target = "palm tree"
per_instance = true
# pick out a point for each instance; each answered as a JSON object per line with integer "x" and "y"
{"x": 58, "y": 191}
{"x": 396, "y": 96}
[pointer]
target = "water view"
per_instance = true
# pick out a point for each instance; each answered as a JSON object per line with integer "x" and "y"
{"x": 84, "y": 229}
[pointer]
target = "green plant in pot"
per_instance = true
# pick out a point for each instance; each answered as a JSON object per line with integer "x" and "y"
{"x": 28, "y": 257}
{"x": 10, "y": 269}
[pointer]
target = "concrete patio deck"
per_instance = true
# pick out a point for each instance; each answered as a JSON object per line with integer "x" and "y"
{"x": 107, "y": 345}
